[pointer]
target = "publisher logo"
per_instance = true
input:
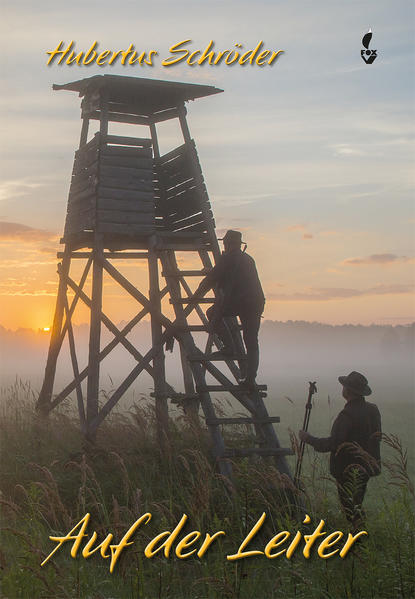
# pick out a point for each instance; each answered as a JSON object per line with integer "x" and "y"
{"x": 368, "y": 56}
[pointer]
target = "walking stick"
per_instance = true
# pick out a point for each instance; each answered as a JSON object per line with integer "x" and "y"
{"x": 311, "y": 390}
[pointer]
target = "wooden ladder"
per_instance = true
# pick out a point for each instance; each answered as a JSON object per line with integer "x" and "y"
{"x": 197, "y": 363}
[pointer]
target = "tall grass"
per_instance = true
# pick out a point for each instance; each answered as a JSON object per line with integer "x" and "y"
{"x": 50, "y": 481}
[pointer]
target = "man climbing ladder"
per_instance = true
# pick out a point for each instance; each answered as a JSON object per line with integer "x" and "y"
{"x": 239, "y": 293}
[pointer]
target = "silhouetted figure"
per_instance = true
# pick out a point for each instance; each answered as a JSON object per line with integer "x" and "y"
{"x": 354, "y": 445}
{"x": 240, "y": 294}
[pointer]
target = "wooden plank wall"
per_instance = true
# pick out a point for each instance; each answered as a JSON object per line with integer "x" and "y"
{"x": 181, "y": 199}
{"x": 80, "y": 214}
{"x": 125, "y": 189}
{"x": 112, "y": 187}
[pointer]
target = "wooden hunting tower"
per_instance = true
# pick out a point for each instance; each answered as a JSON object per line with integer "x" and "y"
{"x": 128, "y": 202}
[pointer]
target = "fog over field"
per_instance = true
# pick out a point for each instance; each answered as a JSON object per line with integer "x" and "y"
{"x": 292, "y": 353}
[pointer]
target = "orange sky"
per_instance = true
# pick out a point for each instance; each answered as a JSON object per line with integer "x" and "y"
{"x": 312, "y": 159}
{"x": 315, "y": 284}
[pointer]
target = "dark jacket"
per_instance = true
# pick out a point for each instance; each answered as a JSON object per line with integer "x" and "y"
{"x": 235, "y": 274}
{"x": 358, "y": 427}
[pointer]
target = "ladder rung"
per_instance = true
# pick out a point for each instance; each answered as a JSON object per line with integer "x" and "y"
{"x": 233, "y": 388}
{"x": 187, "y": 300}
{"x": 261, "y": 451}
{"x": 186, "y": 273}
{"x": 268, "y": 420}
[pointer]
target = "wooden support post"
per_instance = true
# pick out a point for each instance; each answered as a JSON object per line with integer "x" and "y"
{"x": 94, "y": 338}
{"x": 103, "y": 119}
{"x": 191, "y": 409}
{"x": 159, "y": 371}
{"x": 84, "y": 131}
{"x": 156, "y": 149}
{"x": 92, "y": 399}
{"x": 183, "y": 123}
{"x": 159, "y": 376}
{"x": 74, "y": 360}
{"x": 43, "y": 402}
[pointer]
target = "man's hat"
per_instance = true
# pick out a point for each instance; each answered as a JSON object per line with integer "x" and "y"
{"x": 356, "y": 382}
{"x": 232, "y": 237}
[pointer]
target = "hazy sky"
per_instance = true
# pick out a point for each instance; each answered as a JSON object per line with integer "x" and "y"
{"x": 311, "y": 158}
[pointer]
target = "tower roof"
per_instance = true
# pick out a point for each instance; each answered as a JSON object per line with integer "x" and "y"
{"x": 142, "y": 92}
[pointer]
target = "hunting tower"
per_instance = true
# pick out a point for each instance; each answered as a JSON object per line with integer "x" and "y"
{"x": 127, "y": 202}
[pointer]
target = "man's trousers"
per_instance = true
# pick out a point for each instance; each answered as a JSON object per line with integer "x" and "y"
{"x": 250, "y": 322}
{"x": 351, "y": 488}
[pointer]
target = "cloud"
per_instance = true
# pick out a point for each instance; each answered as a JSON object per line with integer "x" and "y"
{"x": 330, "y": 233}
{"x": 347, "y": 150}
{"x": 25, "y": 293}
{"x": 17, "y": 263}
{"x": 376, "y": 259}
{"x": 47, "y": 250}
{"x": 243, "y": 199}
{"x": 301, "y": 229}
{"x": 14, "y": 189}
{"x": 306, "y": 235}
{"x": 296, "y": 228}
{"x": 319, "y": 294}
{"x": 17, "y": 231}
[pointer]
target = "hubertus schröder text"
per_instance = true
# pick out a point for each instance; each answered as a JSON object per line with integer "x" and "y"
{"x": 180, "y": 52}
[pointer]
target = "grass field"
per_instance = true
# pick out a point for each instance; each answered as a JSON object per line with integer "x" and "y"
{"x": 49, "y": 482}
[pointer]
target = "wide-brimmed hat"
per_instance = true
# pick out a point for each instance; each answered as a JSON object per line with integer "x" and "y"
{"x": 232, "y": 237}
{"x": 356, "y": 382}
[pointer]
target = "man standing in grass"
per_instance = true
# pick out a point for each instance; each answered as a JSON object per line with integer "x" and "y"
{"x": 354, "y": 445}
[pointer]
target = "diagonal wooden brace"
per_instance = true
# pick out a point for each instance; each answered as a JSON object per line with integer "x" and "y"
{"x": 108, "y": 323}
{"x": 74, "y": 360}
{"x": 104, "y": 352}
{"x": 128, "y": 381}
{"x": 71, "y": 310}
